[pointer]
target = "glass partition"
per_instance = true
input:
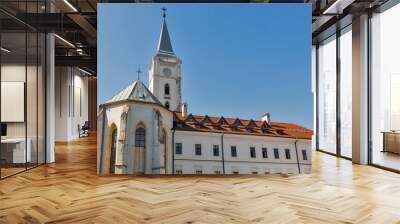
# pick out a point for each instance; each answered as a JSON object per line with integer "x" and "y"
{"x": 327, "y": 95}
{"x": 22, "y": 101}
{"x": 13, "y": 95}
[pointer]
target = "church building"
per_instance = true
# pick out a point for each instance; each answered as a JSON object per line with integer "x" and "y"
{"x": 148, "y": 130}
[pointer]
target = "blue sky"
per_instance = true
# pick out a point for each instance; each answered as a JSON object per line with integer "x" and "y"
{"x": 238, "y": 60}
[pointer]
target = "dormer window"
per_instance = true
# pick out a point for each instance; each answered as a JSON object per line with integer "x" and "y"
{"x": 251, "y": 124}
{"x": 222, "y": 121}
{"x": 237, "y": 123}
{"x": 264, "y": 126}
{"x": 166, "y": 89}
{"x": 206, "y": 120}
{"x": 190, "y": 119}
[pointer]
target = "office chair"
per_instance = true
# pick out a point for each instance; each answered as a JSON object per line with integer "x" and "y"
{"x": 84, "y": 130}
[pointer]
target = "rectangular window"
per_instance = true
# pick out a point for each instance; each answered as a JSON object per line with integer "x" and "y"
{"x": 252, "y": 152}
{"x": 304, "y": 153}
{"x": 235, "y": 172}
{"x": 199, "y": 172}
{"x": 233, "y": 151}
{"x": 216, "y": 150}
{"x": 327, "y": 74}
{"x": 345, "y": 92}
{"x": 217, "y": 172}
{"x": 254, "y": 172}
{"x": 264, "y": 152}
{"x": 178, "y": 171}
{"x": 276, "y": 153}
{"x": 178, "y": 148}
{"x": 197, "y": 148}
{"x": 287, "y": 153}
{"x": 385, "y": 89}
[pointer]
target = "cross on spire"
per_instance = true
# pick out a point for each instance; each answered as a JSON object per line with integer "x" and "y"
{"x": 164, "y": 10}
{"x": 138, "y": 73}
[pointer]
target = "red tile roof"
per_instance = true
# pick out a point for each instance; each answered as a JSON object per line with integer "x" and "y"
{"x": 239, "y": 126}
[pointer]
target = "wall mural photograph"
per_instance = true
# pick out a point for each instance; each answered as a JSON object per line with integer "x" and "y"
{"x": 141, "y": 111}
{"x": 197, "y": 89}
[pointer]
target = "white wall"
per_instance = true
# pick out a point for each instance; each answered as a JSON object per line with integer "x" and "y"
{"x": 33, "y": 126}
{"x": 70, "y": 88}
{"x": 15, "y": 73}
{"x": 188, "y": 162}
{"x": 138, "y": 113}
{"x": 157, "y": 81}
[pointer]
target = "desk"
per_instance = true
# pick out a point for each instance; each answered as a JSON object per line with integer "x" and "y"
{"x": 13, "y": 150}
{"x": 391, "y": 142}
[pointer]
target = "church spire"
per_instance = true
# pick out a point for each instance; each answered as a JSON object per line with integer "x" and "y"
{"x": 138, "y": 73}
{"x": 164, "y": 10}
{"x": 164, "y": 44}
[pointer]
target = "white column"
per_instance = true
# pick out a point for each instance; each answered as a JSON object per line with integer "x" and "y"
{"x": 50, "y": 98}
{"x": 360, "y": 90}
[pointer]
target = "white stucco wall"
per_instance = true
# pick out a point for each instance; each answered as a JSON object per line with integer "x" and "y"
{"x": 139, "y": 113}
{"x": 188, "y": 162}
{"x": 157, "y": 81}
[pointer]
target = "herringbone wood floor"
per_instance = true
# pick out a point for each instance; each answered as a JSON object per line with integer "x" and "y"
{"x": 69, "y": 191}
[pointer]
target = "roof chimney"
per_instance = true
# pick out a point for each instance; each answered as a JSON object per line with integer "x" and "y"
{"x": 184, "y": 109}
{"x": 266, "y": 117}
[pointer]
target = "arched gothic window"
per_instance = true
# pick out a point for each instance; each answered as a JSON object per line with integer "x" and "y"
{"x": 140, "y": 137}
{"x": 163, "y": 137}
{"x": 113, "y": 150}
{"x": 166, "y": 89}
{"x": 164, "y": 149}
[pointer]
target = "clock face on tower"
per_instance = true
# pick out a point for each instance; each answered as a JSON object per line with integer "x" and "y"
{"x": 167, "y": 72}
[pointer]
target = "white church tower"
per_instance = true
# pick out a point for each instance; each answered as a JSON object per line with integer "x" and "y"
{"x": 165, "y": 72}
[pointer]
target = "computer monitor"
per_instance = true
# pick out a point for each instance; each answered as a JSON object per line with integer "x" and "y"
{"x": 3, "y": 129}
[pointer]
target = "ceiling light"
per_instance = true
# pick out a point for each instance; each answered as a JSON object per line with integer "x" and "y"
{"x": 80, "y": 51}
{"x": 65, "y": 41}
{"x": 84, "y": 71}
{"x": 337, "y": 7}
{"x": 5, "y": 50}
{"x": 333, "y": 6}
{"x": 70, "y": 5}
